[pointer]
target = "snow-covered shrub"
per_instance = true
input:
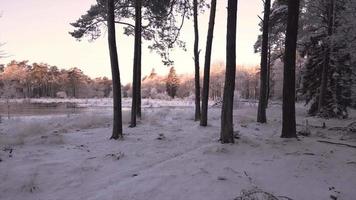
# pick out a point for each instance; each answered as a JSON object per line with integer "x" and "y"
{"x": 18, "y": 132}
{"x": 61, "y": 95}
{"x": 161, "y": 96}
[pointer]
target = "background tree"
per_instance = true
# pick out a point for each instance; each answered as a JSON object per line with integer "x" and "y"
{"x": 262, "y": 104}
{"x": 277, "y": 31}
{"x": 117, "y": 119}
{"x": 75, "y": 77}
{"x": 40, "y": 79}
{"x": 14, "y": 79}
{"x": 217, "y": 81}
{"x": 172, "y": 83}
{"x": 276, "y": 41}
{"x": 196, "y": 60}
{"x": 347, "y": 32}
{"x": 54, "y": 84}
{"x": 22, "y": 80}
{"x": 209, "y": 43}
{"x": 136, "y": 83}
{"x": 289, "y": 123}
{"x": 227, "y": 127}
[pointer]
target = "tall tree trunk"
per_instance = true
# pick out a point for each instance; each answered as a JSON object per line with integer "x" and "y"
{"x": 209, "y": 43}
{"x": 268, "y": 75}
{"x": 262, "y": 105}
{"x": 227, "y": 127}
{"x": 139, "y": 57}
{"x": 289, "y": 124}
{"x": 324, "y": 73}
{"x": 196, "y": 61}
{"x": 117, "y": 122}
{"x": 136, "y": 66}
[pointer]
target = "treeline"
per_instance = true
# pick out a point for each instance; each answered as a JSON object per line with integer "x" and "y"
{"x": 23, "y": 80}
{"x": 156, "y": 86}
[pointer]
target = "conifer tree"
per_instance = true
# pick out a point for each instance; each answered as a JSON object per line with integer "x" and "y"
{"x": 117, "y": 121}
{"x": 288, "y": 108}
{"x": 209, "y": 44}
{"x": 327, "y": 77}
{"x": 172, "y": 83}
{"x": 227, "y": 126}
{"x": 196, "y": 61}
{"x": 262, "y": 104}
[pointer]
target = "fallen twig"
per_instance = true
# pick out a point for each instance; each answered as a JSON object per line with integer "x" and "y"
{"x": 284, "y": 197}
{"x": 313, "y": 126}
{"x": 337, "y": 143}
{"x": 350, "y": 127}
{"x": 256, "y": 193}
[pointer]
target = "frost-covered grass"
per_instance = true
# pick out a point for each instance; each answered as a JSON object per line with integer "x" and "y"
{"x": 169, "y": 156}
{"x": 102, "y": 102}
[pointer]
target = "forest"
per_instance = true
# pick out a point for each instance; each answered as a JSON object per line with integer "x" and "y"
{"x": 281, "y": 130}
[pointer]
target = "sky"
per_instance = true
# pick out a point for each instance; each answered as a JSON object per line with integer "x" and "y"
{"x": 37, "y": 30}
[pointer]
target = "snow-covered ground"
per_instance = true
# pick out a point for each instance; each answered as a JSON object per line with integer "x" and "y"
{"x": 170, "y": 157}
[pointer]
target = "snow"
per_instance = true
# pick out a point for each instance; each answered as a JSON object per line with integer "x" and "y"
{"x": 169, "y": 156}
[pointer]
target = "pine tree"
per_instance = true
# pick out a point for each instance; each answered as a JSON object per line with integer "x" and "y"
{"x": 172, "y": 83}
{"x": 196, "y": 61}
{"x": 277, "y": 20}
{"x": 327, "y": 74}
{"x": 209, "y": 43}
{"x": 262, "y": 105}
{"x": 117, "y": 121}
{"x": 277, "y": 28}
{"x": 136, "y": 80}
{"x": 288, "y": 120}
{"x": 227, "y": 126}
{"x": 347, "y": 33}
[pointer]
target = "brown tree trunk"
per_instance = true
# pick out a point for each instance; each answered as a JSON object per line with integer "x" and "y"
{"x": 209, "y": 43}
{"x": 289, "y": 124}
{"x": 268, "y": 76}
{"x": 196, "y": 61}
{"x": 139, "y": 57}
{"x": 324, "y": 73}
{"x": 227, "y": 127}
{"x": 136, "y": 93}
{"x": 117, "y": 122}
{"x": 262, "y": 104}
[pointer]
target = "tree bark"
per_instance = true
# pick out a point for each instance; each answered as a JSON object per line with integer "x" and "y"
{"x": 209, "y": 43}
{"x": 139, "y": 57}
{"x": 262, "y": 104}
{"x": 136, "y": 82}
{"x": 196, "y": 61}
{"x": 117, "y": 122}
{"x": 268, "y": 75}
{"x": 289, "y": 124}
{"x": 227, "y": 127}
{"x": 324, "y": 73}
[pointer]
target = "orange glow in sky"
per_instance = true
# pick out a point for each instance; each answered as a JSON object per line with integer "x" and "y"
{"x": 37, "y": 30}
